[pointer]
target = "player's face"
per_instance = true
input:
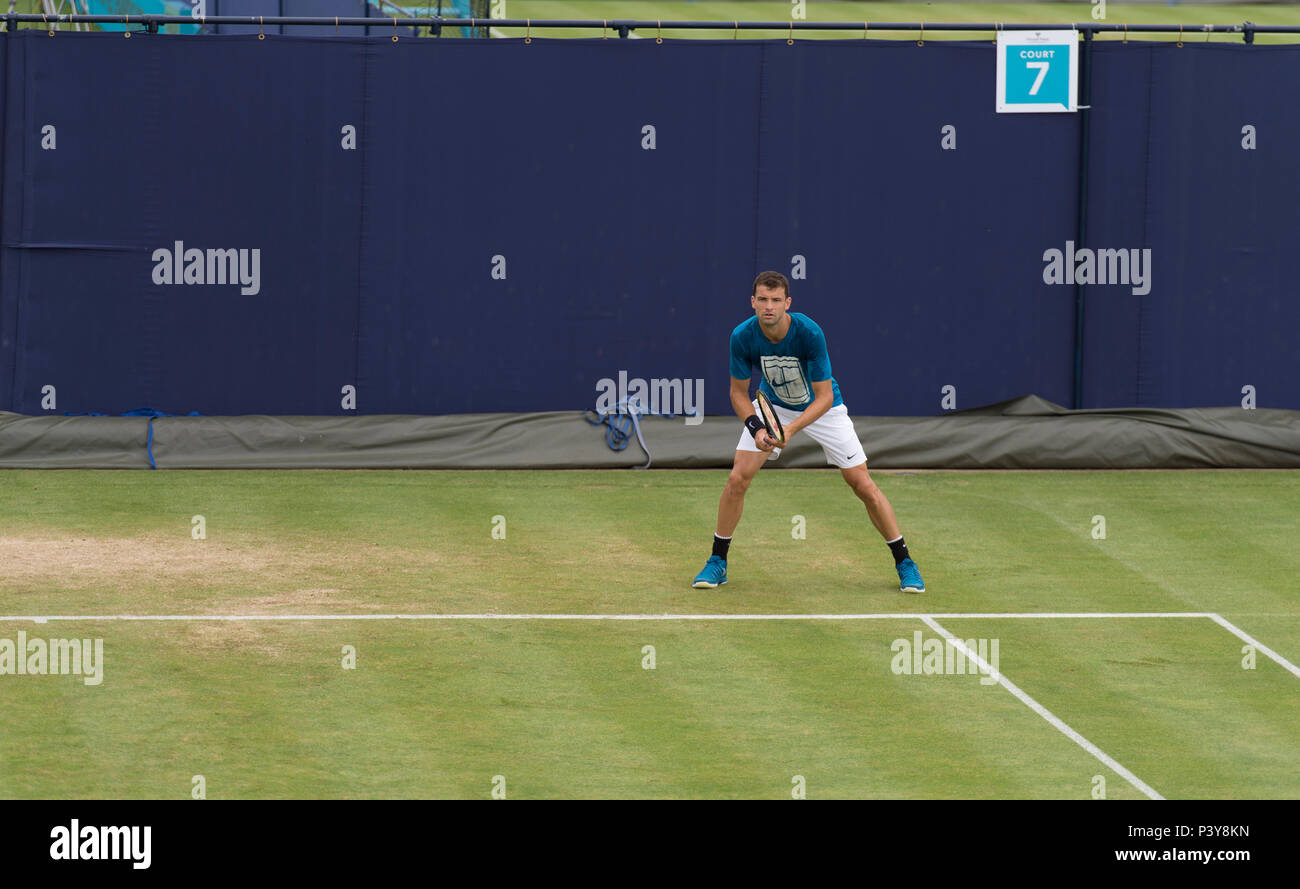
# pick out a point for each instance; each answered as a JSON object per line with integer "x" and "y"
{"x": 770, "y": 304}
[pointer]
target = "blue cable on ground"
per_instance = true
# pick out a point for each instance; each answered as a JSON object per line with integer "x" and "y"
{"x": 625, "y": 416}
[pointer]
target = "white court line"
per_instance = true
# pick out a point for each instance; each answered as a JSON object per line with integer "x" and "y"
{"x": 926, "y": 618}
{"x": 1071, "y": 614}
{"x": 628, "y": 617}
{"x": 1044, "y": 712}
{"x": 1259, "y": 646}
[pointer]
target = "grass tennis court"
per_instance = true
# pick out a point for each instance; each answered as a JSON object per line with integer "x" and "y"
{"x": 566, "y": 708}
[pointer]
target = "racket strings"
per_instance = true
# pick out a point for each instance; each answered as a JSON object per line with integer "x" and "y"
{"x": 767, "y": 412}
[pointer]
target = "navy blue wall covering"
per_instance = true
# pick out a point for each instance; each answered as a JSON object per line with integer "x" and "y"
{"x": 1169, "y": 172}
{"x": 346, "y": 219}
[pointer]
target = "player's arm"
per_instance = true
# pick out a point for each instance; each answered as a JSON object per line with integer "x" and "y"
{"x": 740, "y": 402}
{"x": 742, "y": 368}
{"x": 823, "y": 398}
{"x": 744, "y": 409}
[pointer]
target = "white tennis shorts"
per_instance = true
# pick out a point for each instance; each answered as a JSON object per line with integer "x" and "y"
{"x": 833, "y": 430}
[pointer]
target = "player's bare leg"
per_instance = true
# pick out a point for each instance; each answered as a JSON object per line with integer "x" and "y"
{"x": 730, "y": 506}
{"x": 882, "y": 516}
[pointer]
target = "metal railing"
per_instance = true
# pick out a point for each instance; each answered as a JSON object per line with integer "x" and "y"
{"x": 624, "y": 27}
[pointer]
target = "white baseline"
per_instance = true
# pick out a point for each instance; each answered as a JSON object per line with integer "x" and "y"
{"x": 1060, "y": 615}
{"x": 657, "y": 617}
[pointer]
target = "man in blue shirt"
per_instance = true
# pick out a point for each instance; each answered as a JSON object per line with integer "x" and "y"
{"x": 790, "y": 350}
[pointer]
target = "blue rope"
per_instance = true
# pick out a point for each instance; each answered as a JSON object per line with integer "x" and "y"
{"x": 153, "y": 415}
{"x": 625, "y": 416}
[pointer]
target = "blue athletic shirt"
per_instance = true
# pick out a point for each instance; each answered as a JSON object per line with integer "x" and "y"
{"x": 788, "y": 367}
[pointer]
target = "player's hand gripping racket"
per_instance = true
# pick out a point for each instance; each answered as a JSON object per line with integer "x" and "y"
{"x": 771, "y": 422}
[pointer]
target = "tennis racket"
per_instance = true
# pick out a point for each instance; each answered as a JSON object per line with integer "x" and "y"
{"x": 771, "y": 422}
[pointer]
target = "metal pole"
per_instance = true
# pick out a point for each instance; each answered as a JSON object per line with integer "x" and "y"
{"x": 1081, "y": 234}
{"x": 783, "y": 27}
{"x": 11, "y": 372}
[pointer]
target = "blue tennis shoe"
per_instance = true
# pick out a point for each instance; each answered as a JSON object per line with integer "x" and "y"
{"x": 713, "y": 575}
{"x": 909, "y": 577}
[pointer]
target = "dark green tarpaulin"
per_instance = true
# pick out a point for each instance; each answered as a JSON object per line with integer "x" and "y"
{"x": 1025, "y": 433}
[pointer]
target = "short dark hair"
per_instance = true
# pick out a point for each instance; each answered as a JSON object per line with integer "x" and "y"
{"x": 771, "y": 280}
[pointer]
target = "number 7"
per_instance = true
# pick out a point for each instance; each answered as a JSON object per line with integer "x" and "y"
{"x": 1038, "y": 81}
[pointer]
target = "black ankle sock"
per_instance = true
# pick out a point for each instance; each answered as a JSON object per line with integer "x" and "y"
{"x": 720, "y": 545}
{"x": 899, "y": 549}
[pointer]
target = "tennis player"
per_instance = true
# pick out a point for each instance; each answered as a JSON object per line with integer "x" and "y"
{"x": 790, "y": 350}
